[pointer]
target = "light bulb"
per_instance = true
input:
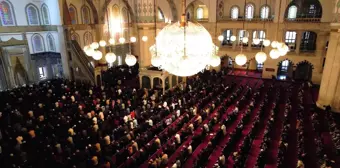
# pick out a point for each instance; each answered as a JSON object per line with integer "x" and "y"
{"x": 233, "y": 38}
{"x": 112, "y": 41}
{"x": 266, "y": 42}
{"x": 220, "y": 38}
{"x": 130, "y": 60}
{"x": 110, "y": 57}
{"x": 95, "y": 45}
{"x": 89, "y": 52}
{"x": 145, "y": 38}
{"x": 86, "y": 48}
{"x": 241, "y": 59}
{"x": 274, "y": 44}
{"x": 260, "y": 57}
{"x": 133, "y": 39}
{"x": 274, "y": 53}
{"x": 215, "y": 61}
{"x": 102, "y": 43}
{"x": 245, "y": 39}
{"x": 256, "y": 41}
{"x": 122, "y": 40}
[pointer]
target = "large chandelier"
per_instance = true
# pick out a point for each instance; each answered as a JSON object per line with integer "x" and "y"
{"x": 183, "y": 48}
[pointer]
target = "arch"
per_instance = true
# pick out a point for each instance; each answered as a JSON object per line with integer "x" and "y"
{"x": 308, "y": 41}
{"x": 285, "y": 69}
{"x": 234, "y": 12}
{"x": 45, "y": 12}
{"x": 32, "y": 14}
{"x": 75, "y": 36}
{"x": 94, "y": 11}
{"x": 7, "y": 14}
{"x": 167, "y": 83}
{"x": 85, "y": 14}
{"x": 38, "y": 43}
{"x": 173, "y": 9}
{"x": 226, "y": 37}
{"x": 265, "y": 12}
{"x": 73, "y": 14}
{"x": 304, "y": 71}
{"x": 51, "y": 42}
{"x": 160, "y": 14}
{"x": 146, "y": 83}
{"x": 88, "y": 38}
{"x": 199, "y": 13}
{"x": 106, "y": 5}
{"x": 304, "y": 9}
{"x": 249, "y": 11}
{"x": 292, "y": 12}
{"x": 157, "y": 83}
{"x": 290, "y": 39}
{"x": 125, "y": 15}
{"x": 115, "y": 10}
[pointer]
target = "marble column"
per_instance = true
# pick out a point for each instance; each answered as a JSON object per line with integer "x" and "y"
{"x": 329, "y": 93}
{"x": 298, "y": 42}
{"x": 145, "y": 55}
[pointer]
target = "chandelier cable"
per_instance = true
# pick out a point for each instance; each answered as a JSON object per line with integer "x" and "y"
{"x": 155, "y": 24}
{"x": 278, "y": 21}
{"x": 264, "y": 26}
{"x": 183, "y": 23}
{"x": 244, "y": 20}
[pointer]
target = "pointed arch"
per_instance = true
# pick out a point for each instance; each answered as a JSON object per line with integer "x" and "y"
{"x": 32, "y": 14}
{"x": 160, "y": 14}
{"x": 85, "y": 15}
{"x": 73, "y": 14}
{"x": 38, "y": 43}
{"x": 75, "y": 36}
{"x": 127, "y": 5}
{"x": 304, "y": 71}
{"x": 45, "y": 13}
{"x": 88, "y": 38}
{"x": 7, "y": 15}
{"x": 125, "y": 15}
{"x": 51, "y": 42}
{"x": 115, "y": 11}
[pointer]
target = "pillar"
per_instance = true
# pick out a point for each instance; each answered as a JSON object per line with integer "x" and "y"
{"x": 329, "y": 93}
{"x": 298, "y": 42}
{"x": 63, "y": 52}
{"x": 163, "y": 85}
{"x": 234, "y": 33}
{"x": 151, "y": 82}
{"x": 170, "y": 81}
{"x": 145, "y": 55}
{"x": 140, "y": 81}
{"x": 250, "y": 39}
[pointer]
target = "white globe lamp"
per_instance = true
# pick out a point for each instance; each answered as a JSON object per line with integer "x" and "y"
{"x": 89, "y": 52}
{"x": 245, "y": 39}
{"x": 122, "y": 40}
{"x": 145, "y": 38}
{"x": 156, "y": 61}
{"x": 266, "y": 42}
{"x": 215, "y": 61}
{"x": 130, "y": 60}
{"x": 220, "y": 38}
{"x": 256, "y": 41}
{"x": 133, "y": 39}
{"x": 260, "y": 57}
{"x": 241, "y": 59}
{"x": 86, "y": 48}
{"x": 110, "y": 57}
{"x": 274, "y": 53}
{"x": 102, "y": 43}
{"x": 112, "y": 41}
{"x": 275, "y": 44}
{"x": 233, "y": 38}
{"x": 97, "y": 55}
{"x": 94, "y": 45}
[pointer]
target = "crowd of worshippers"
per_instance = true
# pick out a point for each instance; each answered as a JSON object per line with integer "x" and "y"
{"x": 120, "y": 75}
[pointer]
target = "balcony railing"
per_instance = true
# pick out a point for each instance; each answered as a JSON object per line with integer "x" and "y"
{"x": 255, "y": 19}
{"x": 303, "y": 20}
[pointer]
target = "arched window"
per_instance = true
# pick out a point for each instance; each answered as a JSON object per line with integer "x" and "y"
{"x": 226, "y": 37}
{"x": 38, "y": 43}
{"x": 160, "y": 14}
{"x": 85, "y": 14}
{"x": 73, "y": 14}
{"x": 234, "y": 12}
{"x": 6, "y": 13}
{"x": 88, "y": 38}
{"x": 32, "y": 14}
{"x": 75, "y": 37}
{"x": 125, "y": 15}
{"x": 45, "y": 14}
{"x": 284, "y": 65}
{"x": 51, "y": 42}
{"x": 290, "y": 39}
{"x": 308, "y": 41}
{"x": 249, "y": 11}
{"x": 292, "y": 12}
{"x": 115, "y": 11}
{"x": 265, "y": 12}
{"x": 199, "y": 13}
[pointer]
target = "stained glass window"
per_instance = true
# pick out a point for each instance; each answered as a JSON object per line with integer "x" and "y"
{"x": 32, "y": 15}
{"x": 6, "y": 14}
{"x": 45, "y": 14}
{"x": 86, "y": 15}
{"x": 88, "y": 38}
{"x": 51, "y": 43}
{"x": 73, "y": 14}
{"x": 38, "y": 43}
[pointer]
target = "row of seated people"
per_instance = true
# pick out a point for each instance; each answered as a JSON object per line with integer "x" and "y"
{"x": 122, "y": 74}
{"x": 334, "y": 130}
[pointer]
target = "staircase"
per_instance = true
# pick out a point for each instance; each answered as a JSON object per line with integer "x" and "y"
{"x": 81, "y": 64}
